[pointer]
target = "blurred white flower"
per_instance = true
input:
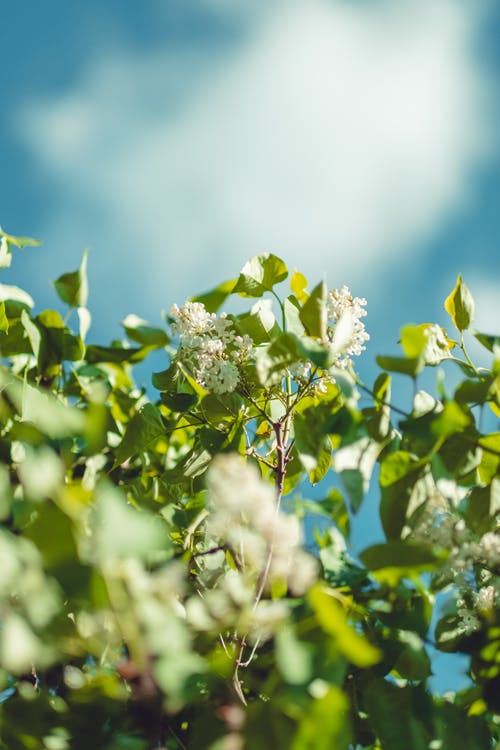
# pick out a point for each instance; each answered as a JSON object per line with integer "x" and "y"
{"x": 244, "y": 516}
{"x": 490, "y": 547}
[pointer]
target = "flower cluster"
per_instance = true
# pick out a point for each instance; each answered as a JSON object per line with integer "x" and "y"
{"x": 263, "y": 547}
{"x": 244, "y": 517}
{"x": 345, "y": 335}
{"x": 342, "y": 307}
{"x": 475, "y": 606}
{"x": 472, "y": 561}
{"x": 210, "y": 347}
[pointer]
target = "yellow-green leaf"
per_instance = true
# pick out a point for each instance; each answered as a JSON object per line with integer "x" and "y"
{"x": 298, "y": 285}
{"x": 332, "y": 619}
{"x": 460, "y": 305}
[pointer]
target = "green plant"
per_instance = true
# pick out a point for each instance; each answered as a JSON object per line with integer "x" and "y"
{"x": 154, "y": 594}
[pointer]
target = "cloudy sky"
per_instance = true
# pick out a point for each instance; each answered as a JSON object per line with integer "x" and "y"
{"x": 177, "y": 138}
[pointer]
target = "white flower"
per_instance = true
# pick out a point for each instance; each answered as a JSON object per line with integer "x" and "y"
{"x": 342, "y": 307}
{"x": 221, "y": 376}
{"x": 210, "y": 347}
{"x": 190, "y": 321}
{"x": 300, "y": 370}
{"x": 303, "y": 574}
{"x": 469, "y": 621}
{"x": 490, "y": 547}
{"x": 236, "y": 489}
{"x": 244, "y": 516}
{"x": 485, "y": 599}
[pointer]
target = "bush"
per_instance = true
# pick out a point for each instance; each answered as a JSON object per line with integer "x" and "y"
{"x": 154, "y": 594}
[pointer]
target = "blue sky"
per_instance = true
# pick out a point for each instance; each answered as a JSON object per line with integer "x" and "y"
{"x": 177, "y": 138}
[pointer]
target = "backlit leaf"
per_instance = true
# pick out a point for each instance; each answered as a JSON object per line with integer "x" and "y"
{"x": 460, "y": 305}
{"x": 260, "y": 275}
{"x": 72, "y": 288}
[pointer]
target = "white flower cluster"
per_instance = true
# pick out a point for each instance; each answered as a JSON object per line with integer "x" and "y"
{"x": 244, "y": 518}
{"x": 475, "y": 606}
{"x": 490, "y": 548}
{"x": 472, "y": 560}
{"x": 342, "y": 306}
{"x": 210, "y": 347}
{"x": 231, "y": 606}
{"x": 346, "y": 335}
{"x": 469, "y": 621}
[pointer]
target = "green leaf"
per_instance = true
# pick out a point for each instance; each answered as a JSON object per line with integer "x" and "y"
{"x": 59, "y": 344}
{"x": 285, "y": 350}
{"x": 223, "y": 408}
{"x": 314, "y": 314}
{"x": 398, "y": 715}
{"x": 272, "y": 360}
{"x": 487, "y": 340}
{"x": 117, "y": 354}
{"x": 293, "y": 657}
{"x": 140, "y": 331}
{"x": 354, "y": 463}
{"x": 15, "y": 294}
{"x": 46, "y": 412}
{"x": 166, "y": 380}
{"x": 332, "y": 619}
{"x": 298, "y": 286}
{"x": 336, "y": 507}
{"x": 145, "y": 427}
{"x": 399, "y": 364}
{"x": 398, "y": 554}
{"x": 400, "y": 475}
{"x": 260, "y": 275}
{"x": 313, "y": 445}
{"x": 380, "y": 424}
{"x": 473, "y": 391}
{"x": 460, "y": 305}
{"x": 215, "y": 298}
{"x": 414, "y": 341}
{"x": 413, "y": 663}
{"x": 5, "y": 254}
{"x": 324, "y": 726}
{"x": 52, "y": 533}
{"x": 292, "y": 317}
{"x": 260, "y": 324}
{"x": 395, "y": 466}
{"x": 179, "y": 402}
{"x": 450, "y": 420}
{"x": 4, "y": 321}
{"x": 120, "y": 531}
{"x": 33, "y": 333}
{"x": 20, "y": 242}
{"x": 455, "y": 727}
{"x": 72, "y": 288}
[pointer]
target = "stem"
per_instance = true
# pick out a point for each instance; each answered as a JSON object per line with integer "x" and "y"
{"x": 281, "y": 430}
{"x": 466, "y": 354}
{"x": 381, "y": 401}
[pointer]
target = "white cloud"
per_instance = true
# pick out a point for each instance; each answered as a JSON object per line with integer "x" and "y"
{"x": 486, "y": 294}
{"x": 339, "y": 135}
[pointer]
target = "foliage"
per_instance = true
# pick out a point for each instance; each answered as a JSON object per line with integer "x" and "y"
{"x": 153, "y": 594}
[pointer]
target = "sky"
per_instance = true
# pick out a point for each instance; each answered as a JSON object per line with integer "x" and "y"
{"x": 356, "y": 139}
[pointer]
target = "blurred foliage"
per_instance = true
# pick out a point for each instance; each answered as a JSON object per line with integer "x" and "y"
{"x": 129, "y": 617}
